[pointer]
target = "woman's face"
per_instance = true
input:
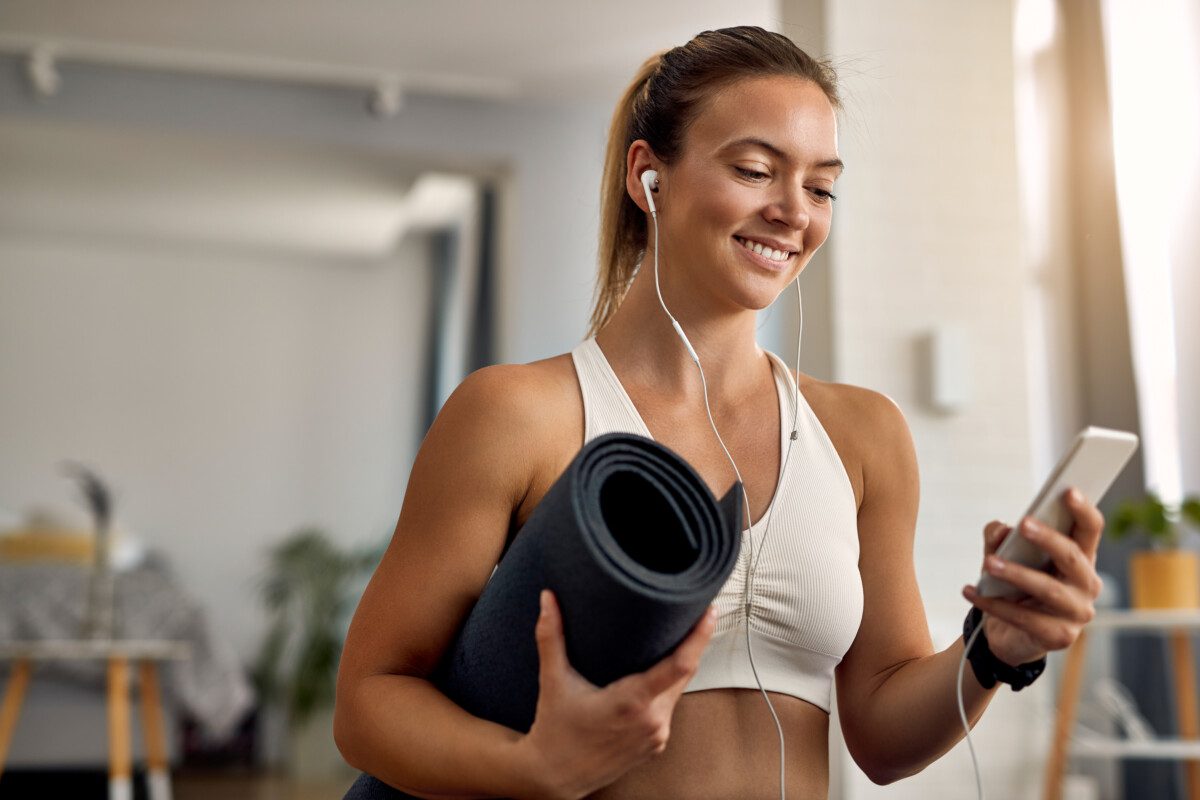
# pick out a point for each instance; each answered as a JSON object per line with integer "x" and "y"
{"x": 756, "y": 173}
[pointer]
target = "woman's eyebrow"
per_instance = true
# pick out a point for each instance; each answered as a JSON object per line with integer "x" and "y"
{"x": 754, "y": 141}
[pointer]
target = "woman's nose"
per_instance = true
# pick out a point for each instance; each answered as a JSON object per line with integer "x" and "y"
{"x": 791, "y": 209}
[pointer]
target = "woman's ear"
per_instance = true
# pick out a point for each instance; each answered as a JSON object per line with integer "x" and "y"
{"x": 638, "y": 160}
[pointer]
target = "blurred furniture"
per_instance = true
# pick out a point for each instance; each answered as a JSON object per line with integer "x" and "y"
{"x": 1178, "y": 626}
{"x": 117, "y": 655}
{"x": 47, "y": 611}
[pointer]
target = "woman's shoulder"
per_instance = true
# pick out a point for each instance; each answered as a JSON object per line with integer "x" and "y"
{"x": 527, "y": 417}
{"x": 866, "y": 427}
{"x": 528, "y": 402}
{"x": 862, "y": 406}
{"x": 521, "y": 389}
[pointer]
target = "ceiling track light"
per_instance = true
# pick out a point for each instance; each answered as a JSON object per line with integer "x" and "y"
{"x": 386, "y": 91}
{"x": 386, "y": 99}
{"x": 41, "y": 70}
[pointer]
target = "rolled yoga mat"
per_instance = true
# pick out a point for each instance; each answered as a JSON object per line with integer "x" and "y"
{"x": 634, "y": 546}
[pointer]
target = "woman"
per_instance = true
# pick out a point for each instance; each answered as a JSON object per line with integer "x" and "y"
{"x": 740, "y": 127}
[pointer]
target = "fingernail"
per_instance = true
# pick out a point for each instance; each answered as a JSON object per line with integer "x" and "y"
{"x": 544, "y": 599}
{"x": 1075, "y": 495}
{"x": 1029, "y": 528}
{"x": 995, "y": 563}
{"x": 712, "y": 613}
{"x": 969, "y": 592}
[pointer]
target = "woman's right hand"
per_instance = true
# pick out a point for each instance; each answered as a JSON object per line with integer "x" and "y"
{"x": 585, "y": 737}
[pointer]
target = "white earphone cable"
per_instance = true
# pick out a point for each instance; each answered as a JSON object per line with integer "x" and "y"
{"x": 748, "y": 596}
{"x": 962, "y": 711}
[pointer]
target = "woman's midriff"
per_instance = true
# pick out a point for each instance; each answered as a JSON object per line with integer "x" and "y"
{"x": 724, "y": 745}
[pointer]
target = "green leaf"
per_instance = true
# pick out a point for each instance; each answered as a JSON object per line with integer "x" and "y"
{"x": 1155, "y": 519}
{"x": 1190, "y": 510}
{"x": 1148, "y": 517}
{"x": 1124, "y": 520}
{"x": 307, "y": 588}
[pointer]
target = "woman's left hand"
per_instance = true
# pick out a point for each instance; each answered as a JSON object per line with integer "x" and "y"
{"x": 1059, "y": 603}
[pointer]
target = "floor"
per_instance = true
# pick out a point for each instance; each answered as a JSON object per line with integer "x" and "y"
{"x": 87, "y": 784}
{"x": 254, "y": 787}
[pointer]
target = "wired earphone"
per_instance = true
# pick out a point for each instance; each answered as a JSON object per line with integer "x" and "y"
{"x": 649, "y": 180}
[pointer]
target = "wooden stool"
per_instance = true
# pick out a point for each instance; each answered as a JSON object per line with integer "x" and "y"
{"x": 117, "y": 653}
{"x": 1179, "y": 625}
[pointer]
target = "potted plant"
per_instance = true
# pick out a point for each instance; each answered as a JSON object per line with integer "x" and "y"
{"x": 1162, "y": 576}
{"x": 308, "y": 590}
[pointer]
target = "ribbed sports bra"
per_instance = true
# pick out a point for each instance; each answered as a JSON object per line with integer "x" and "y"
{"x": 808, "y": 595}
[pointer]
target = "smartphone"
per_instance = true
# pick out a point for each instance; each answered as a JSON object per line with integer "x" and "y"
{"x": 1091, "y": 464}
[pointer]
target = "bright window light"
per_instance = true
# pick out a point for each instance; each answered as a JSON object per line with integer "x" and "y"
{"x": 1154, "y": 115}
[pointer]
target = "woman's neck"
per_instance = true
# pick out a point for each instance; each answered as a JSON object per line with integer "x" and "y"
{"x": 643, "y": 347}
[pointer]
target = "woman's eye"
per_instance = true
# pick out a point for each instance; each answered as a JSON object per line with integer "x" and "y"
{"x": 823, "y": 195}
{"x": 752, "y": 174}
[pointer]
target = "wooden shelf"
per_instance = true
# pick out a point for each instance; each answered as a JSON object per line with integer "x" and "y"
{"x": 1178, "y": 625}
{"x": 1165, "y": 619}
{"x": 1162, "y": 749}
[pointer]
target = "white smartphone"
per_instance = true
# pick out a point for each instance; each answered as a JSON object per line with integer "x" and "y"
{"x": 1091, "y": 464}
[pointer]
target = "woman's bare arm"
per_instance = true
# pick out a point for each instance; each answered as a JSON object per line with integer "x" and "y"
{"x": 473, "y": 470}
{"x": 470, "y": 473}
{"x": 896, "y": 696}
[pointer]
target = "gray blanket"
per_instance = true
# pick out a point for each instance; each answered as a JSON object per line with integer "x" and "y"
{"x": 47, "y": 600}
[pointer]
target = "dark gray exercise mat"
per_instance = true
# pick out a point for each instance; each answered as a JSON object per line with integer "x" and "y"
{"x": 634, "y": 546}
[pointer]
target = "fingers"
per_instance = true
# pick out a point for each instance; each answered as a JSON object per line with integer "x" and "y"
{"x": 681, "y": 664}
{"x": 994, "y": 534}
{"x": 552, "y": 650}
{"x": 1049, "y": 631}
{"x": 1060, "y": 604}
{"x": 1073, "y": 563}
{"x": 1056, "y": 596}
{"x": 1089, "y": 522}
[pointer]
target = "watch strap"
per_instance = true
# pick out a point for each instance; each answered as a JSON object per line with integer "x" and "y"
{"x": 987, "y": 668}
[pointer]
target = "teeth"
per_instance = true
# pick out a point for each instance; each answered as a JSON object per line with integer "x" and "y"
{"x": 768, "y": 252}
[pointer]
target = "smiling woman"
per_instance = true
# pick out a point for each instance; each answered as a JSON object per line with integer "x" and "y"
{"x": 739, "y": 127}
{"x": 684, "y": 82}
{"x": 753, "y": 184}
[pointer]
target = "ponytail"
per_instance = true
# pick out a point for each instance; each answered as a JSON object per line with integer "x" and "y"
{"x": 622, "y": 224}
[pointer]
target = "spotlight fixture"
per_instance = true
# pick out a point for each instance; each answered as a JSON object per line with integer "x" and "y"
{"x": 41, "y": 69}
{"x": 386, "y": 99}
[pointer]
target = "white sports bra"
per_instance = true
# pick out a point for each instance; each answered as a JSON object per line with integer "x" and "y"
{"x": 808, "y": 596}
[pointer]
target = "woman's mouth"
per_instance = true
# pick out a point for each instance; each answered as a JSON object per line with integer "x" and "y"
{"x": 769, "y": 256}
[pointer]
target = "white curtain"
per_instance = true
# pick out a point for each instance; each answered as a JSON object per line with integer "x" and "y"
{"x": 1154, "y": 84}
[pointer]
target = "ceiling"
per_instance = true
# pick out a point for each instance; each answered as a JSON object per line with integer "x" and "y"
{"x": 543, "y": 50}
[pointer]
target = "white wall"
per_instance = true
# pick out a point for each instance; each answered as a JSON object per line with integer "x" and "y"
{"x": 229, "y": 397}
{"x": 548, "y": 156}
{"x": 927, "y": 232}
{"x": 305, "y": 372}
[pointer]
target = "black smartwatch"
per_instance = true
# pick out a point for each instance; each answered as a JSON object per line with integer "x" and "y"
{"x": 989, "y": 669}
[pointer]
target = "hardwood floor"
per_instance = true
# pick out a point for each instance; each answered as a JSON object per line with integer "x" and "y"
{"x": 25, "y": 784}
{"x": 254, "y": 787}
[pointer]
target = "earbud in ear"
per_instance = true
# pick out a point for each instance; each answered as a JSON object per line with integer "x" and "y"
{"x": 648, "y": 179}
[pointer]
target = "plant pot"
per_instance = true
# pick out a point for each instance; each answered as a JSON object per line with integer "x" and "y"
{"x": 1165, "y": 579}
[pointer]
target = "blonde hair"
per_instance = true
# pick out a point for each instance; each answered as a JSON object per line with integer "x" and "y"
{"x": 666, "y": 95}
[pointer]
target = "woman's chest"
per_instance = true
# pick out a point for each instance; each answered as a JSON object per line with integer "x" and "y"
{"x": 749, "y": 446}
